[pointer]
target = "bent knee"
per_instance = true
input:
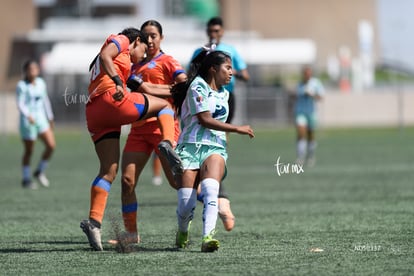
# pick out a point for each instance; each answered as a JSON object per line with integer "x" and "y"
{"x": 128, "y": 184}
{"x": 109, "y": 174}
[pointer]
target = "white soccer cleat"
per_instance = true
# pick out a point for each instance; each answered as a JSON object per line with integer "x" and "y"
{"x": 41, "y": 177}
{"x": 93, "y": 233}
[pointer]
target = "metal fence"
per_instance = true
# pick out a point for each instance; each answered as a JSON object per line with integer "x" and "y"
{"x": 265, "y": 105}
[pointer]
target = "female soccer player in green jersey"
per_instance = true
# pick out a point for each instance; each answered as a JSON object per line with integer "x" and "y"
{"x": 36, "y": 121}
{"x": 203, "y": 109}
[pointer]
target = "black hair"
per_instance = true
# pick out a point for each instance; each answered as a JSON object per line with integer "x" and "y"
{"x": 26, "y": 66}
{"x": 27, "y": 63}
{"x": 215, "y": 21}
{"x": 154, "y": 23}
{"x": 133, "y": 33}
{"x": 199, "y": 66}
{"x": 212, "y": 59}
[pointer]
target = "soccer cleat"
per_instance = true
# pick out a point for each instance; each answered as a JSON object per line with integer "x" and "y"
{"x": 174, "y": 160}
{"x": 225, "y": 214}
{"x": 182, "y": 239}
{"x": 41, "y": 177}
{"x": 209, "y": 244}
{"x": 93, "y": 233}
{"x": 29, "y": 184}
{"x": 125, "y": 238}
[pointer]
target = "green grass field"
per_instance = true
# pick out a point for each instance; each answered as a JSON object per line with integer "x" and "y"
{"x": 357, "y": 204}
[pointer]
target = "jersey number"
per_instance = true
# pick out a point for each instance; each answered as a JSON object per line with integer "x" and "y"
{"x": 96, "y": 70}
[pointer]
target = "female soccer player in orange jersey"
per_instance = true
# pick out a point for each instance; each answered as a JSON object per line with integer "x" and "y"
{"x": 111, "y": 106}
{"x": 161, "y": 69}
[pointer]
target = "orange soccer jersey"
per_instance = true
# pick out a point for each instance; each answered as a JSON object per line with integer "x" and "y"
{"x": 100, "y": 82}
{"x": 162, "y": 69}
{"x": 104, "y": 115}
{"x": 146, "y": 134}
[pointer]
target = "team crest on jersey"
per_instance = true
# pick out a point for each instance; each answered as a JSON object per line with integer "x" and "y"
{"x": 152, "y": 64}
{"x": 219, "y": 112}
{"x": 199, "y": 99}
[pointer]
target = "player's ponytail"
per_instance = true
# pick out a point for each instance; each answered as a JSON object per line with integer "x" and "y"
{"x": 179, "y": 90}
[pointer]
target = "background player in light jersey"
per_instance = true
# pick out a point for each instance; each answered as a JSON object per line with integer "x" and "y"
{"x": 156, "y": 68}
{"x": 309, "y": 90}
{"x": 111, "y": 106}
{"x": 202, "y": 143}
{"x": 36, "y": 120}
{"x": 215, "y": 32}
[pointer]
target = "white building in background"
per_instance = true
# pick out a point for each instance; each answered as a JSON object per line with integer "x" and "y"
{"x": 66, "y": 44}
{"x": 395, "y": 27}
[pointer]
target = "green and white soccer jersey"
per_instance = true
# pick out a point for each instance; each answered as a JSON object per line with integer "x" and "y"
{"x": 33, "y": 101}
{"x": 200, "y": 98}
{"x": 305, "y": 103}
{"x": 305, "y": 112}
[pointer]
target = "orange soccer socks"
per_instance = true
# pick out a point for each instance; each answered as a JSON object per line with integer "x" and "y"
{"x": 167, "y": 126}
{"x": 99, "y": 195}
{"x": 129, "y": 215}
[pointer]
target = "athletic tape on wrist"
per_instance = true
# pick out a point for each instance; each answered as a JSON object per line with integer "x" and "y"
{"x": 117, "y": 80}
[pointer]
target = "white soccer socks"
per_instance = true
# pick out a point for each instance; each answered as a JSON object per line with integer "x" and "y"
{"x": 301, "y": 149}
{"x": 187, "y": 200}
{"x": 209, "y": 188}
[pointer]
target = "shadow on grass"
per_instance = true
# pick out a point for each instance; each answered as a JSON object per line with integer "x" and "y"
{"x": 138, "y": 249}
{"x": 28, "y": 247}
{"x": 76, "y": 246}
{"x": 55, "y": 242}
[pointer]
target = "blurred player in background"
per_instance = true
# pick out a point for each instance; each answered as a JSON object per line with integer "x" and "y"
{"x": 110, "y": 106}
{"x": 215, "y": 32}
{"x": 36, "y": 120}
{"x": 203, "y": 110}
{"x": 157, "y": 68}
{"x": 309, "y": 90}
